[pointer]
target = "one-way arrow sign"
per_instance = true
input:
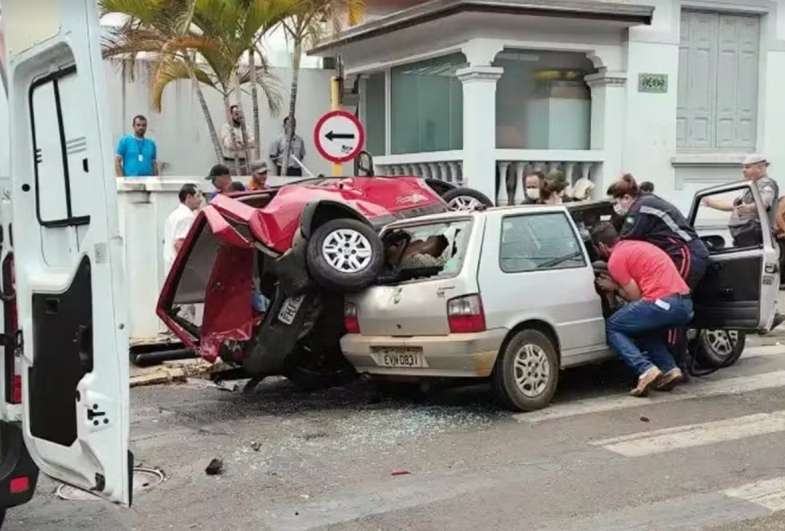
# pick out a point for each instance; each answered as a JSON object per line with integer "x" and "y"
{"x": 339, "y": 136}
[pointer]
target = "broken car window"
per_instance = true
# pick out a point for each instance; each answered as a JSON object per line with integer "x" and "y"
{"x": 436, "y": 249}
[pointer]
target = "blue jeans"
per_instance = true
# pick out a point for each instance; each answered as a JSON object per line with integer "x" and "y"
{"x": 644, "y": 322}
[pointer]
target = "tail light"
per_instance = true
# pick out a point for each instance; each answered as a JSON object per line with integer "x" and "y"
{"x": 350, "y": 320}
{"x": 465, "y": 314}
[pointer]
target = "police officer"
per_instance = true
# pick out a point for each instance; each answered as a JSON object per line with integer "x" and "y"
{"x": 648, "y": 217}
{"x": 744, "y": 224}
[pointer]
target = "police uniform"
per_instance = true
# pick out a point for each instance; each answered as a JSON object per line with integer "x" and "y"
{"x": 745, "y": 228}
{"x": 657, "y": 221}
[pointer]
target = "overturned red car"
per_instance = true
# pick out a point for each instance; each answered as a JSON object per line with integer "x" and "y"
{"x": 301, "y": 246}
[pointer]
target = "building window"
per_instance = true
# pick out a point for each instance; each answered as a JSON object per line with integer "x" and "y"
{"x": 426, "y": 106}
{"x": 718, "y": 81}
{"x": 375, "y": 115}
{"x": 539, "y": 242}
{"x": 542, "y": 101}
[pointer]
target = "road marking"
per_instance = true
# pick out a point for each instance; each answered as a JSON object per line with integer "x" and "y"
{"x": 769, "y": 493}
{"x": 764, "y": 351}
{"x": 698, "y": 389}
{"x": 690, "y": 511}
{"x": 691, "y": 435}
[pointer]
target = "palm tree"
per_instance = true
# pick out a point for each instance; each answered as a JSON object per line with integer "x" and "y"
{"x": 164, "y": 30}
{"x": 307, "y": 26}
{"x": 203, "y": 41}
{"x": 237, "y": 25}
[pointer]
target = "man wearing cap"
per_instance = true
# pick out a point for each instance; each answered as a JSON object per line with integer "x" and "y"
{"x": 221, "y": 178}
{"x": 258, "y": 176}
{"x": 744, "y": 225}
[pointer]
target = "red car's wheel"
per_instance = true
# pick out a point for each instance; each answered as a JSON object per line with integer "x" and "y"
{"x": 345, "y": 255}
{"x": 466, "y": 199}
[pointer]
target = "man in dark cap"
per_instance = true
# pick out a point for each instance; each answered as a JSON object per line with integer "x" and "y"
{"x": 221, "y": 178}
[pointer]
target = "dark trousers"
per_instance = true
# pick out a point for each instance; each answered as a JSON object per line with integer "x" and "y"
{"x": 691, "y": 261}
{"x": 292, "y": 172}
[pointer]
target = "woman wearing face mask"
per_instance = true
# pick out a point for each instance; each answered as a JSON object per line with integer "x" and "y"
{"x": 650, "y": 218}
{"x": 647, "y": 217}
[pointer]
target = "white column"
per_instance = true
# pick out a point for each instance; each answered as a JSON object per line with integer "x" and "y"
{"x": 608, "y": 103}
{"x": 479, "y": 127}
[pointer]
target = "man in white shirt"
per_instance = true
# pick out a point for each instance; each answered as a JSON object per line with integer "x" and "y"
{"x": 232, "y": 143}
{"x": 179, "y": 223}
{"x": 176, "y": 228}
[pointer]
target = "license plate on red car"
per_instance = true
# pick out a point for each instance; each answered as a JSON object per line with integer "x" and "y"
{"x": 289, "y": 309}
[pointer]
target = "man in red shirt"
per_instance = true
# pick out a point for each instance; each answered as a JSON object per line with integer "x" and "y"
{"x": 659, "y": 298}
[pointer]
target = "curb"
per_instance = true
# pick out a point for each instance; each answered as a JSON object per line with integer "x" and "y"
{"x": 160, "y": 375}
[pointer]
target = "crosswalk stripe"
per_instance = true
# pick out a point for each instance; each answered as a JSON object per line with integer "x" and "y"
{"x": 768, "y": 493}
{"x": 691, "y": 435}
{"x": 764, "y": 351}
{"x": 697, "y": 389}
{"x": 690, "y": 511}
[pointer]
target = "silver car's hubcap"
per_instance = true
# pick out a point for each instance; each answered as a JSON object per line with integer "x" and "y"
{"x": 721, "y": 341}
{"x": 463, "y": 202}
{"x": 347, "y": 251}
{"x": 532, "y": 371}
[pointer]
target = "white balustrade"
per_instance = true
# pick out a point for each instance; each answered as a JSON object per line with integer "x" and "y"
{"x": 442, "y": 165}
{"x": 512, "y": 166}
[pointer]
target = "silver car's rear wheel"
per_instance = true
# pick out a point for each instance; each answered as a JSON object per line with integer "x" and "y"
{"x": 526, "y": 371}
{"x": 532, "y": 370}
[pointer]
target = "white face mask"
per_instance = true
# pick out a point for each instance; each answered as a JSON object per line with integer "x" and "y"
{"x": 619, "y": 209}
{"x": 533, "y": 193}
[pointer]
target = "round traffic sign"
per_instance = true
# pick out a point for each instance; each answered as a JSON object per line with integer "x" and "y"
{"x": 339, "y": 136}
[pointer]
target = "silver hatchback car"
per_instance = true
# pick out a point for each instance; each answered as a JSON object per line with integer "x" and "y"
{"x": 509, "y": 294}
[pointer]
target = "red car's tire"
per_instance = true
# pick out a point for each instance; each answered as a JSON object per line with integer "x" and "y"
{"x": 465, "y": 199}
{"x": 345, "y": 255}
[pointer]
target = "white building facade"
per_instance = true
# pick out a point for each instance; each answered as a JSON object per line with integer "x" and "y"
{"x": 479, "y": 92}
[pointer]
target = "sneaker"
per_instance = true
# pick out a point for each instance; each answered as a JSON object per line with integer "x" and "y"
{"x": 646, "y": 381}
{"x": 778, "y": 319}
{"x": 670, "y": 380}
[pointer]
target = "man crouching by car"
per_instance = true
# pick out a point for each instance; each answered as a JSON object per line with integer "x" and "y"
{"x": 645, "y": 276}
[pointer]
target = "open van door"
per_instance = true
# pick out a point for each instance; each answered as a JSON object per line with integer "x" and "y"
{"x": 69, "y": 275}
{"x": 740, "y": 287}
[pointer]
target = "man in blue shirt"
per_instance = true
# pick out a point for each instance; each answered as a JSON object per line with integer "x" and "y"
{"x": 136, "y": 155}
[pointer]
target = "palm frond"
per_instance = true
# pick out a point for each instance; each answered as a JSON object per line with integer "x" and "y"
{"x": 267, "y": 81}
{"x": 170, "y": 71}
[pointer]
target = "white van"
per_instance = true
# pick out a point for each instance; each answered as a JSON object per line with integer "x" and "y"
{"x": 64, "y": 398}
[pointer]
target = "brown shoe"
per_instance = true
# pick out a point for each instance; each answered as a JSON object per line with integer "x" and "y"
{"x": 670, "y": 380}
{"x": 646, "y": 381}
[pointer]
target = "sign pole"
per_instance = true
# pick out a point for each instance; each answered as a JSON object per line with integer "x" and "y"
{"x": 335, "y": 102}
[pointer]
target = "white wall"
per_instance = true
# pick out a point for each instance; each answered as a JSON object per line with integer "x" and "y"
{"x": 650, "y": 147}
{"x": 184, "y": 146}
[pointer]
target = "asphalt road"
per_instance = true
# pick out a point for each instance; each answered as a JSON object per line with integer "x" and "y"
{"x": 708, "y": 456}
